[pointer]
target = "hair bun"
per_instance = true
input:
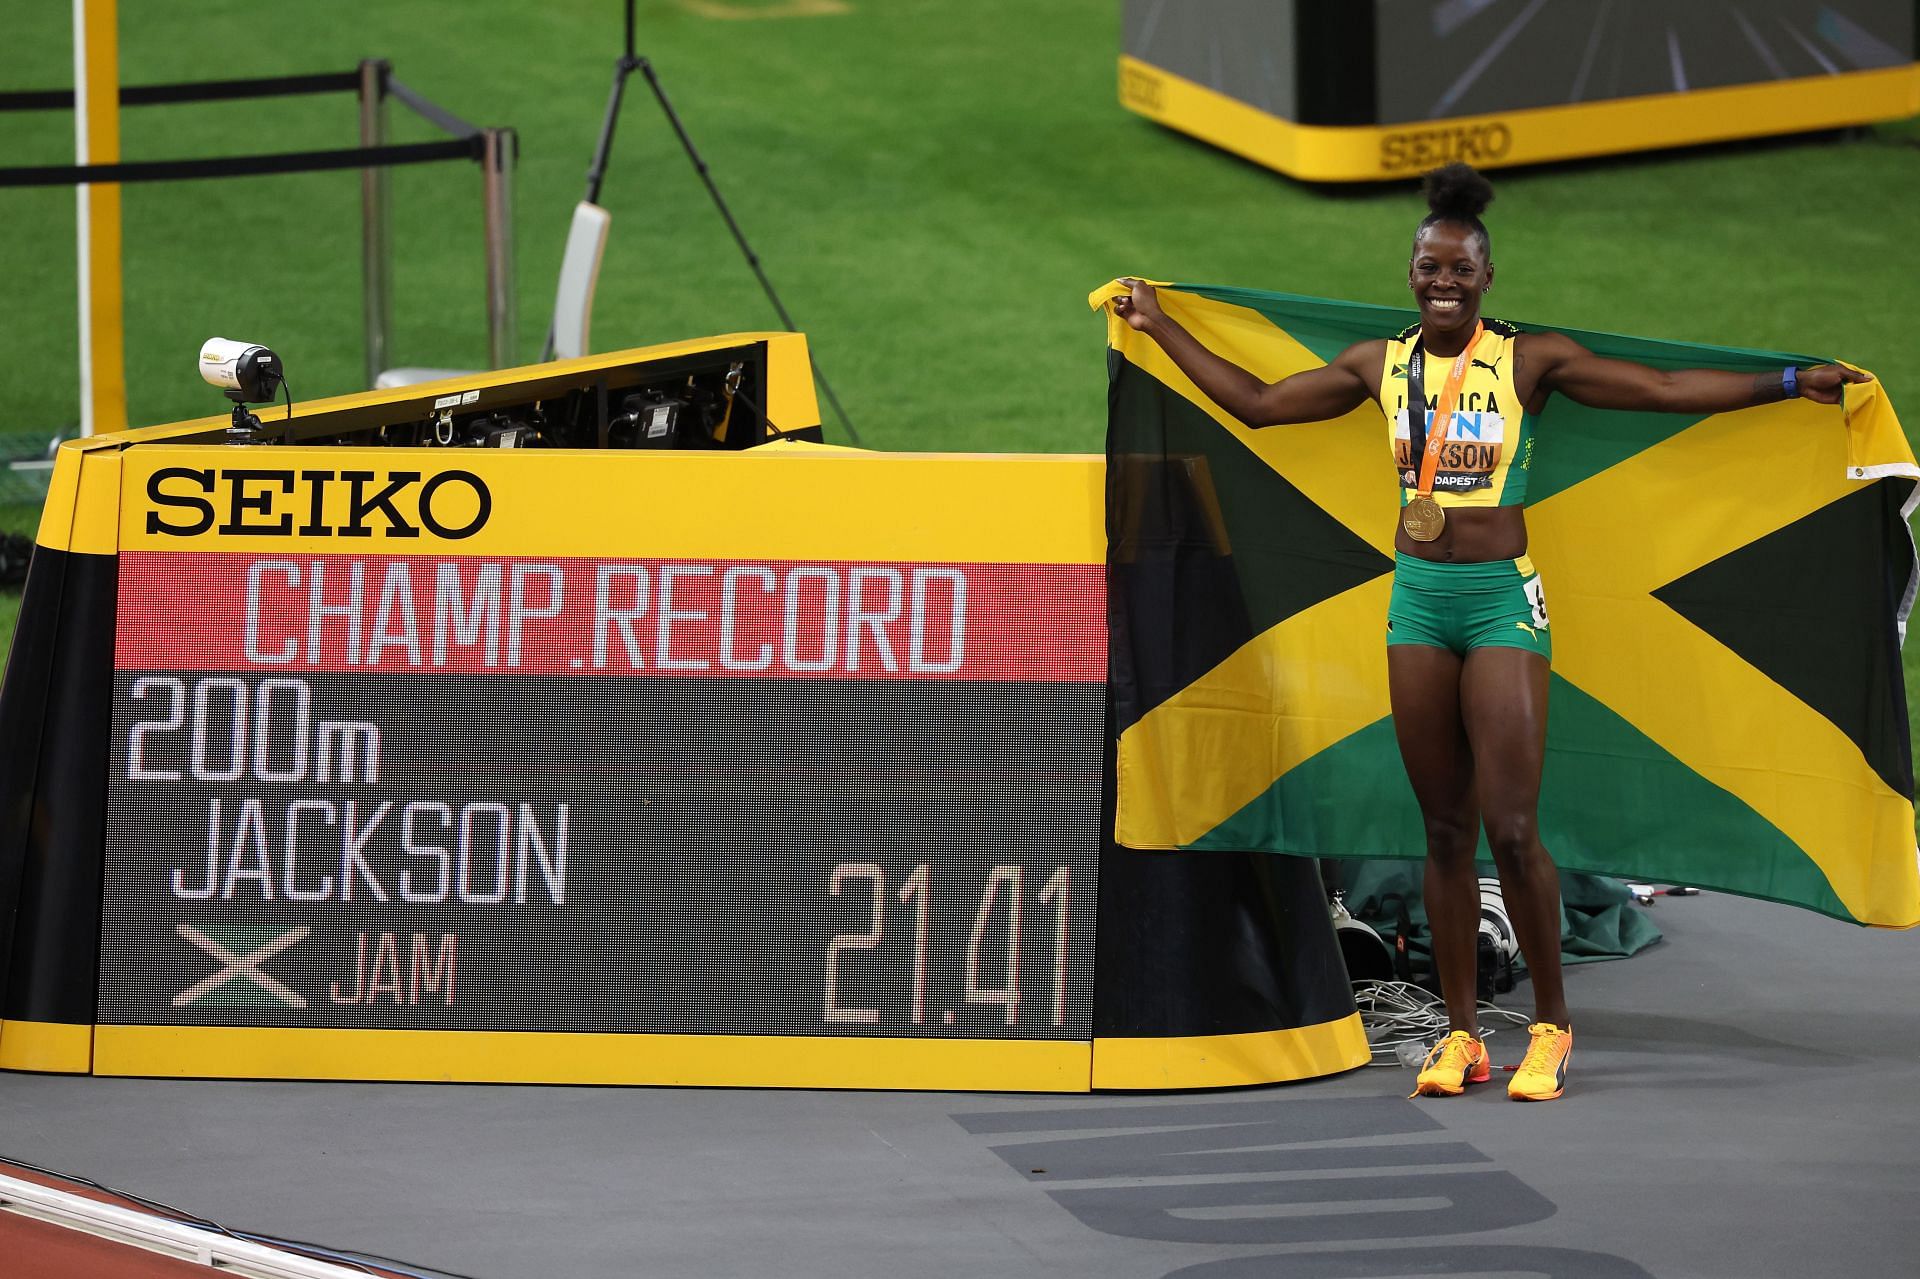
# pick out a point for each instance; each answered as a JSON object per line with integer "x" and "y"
{"x": 1457, "y": 191}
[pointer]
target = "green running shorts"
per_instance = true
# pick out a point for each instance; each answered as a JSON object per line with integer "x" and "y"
{"x": 1462, "y": 607}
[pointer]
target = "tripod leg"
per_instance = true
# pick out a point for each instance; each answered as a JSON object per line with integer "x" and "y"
{"x": 739, "y": 236}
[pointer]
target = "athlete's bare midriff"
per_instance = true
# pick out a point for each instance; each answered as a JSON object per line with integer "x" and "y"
{"x": 1473, "y": 535}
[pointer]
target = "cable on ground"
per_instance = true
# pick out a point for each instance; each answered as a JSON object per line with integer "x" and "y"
{"x": 1404, "y": 1021}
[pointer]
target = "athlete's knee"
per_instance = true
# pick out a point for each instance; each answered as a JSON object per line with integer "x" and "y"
{"x": 1451, "y": 837}
{"x": 1514, "y": 840}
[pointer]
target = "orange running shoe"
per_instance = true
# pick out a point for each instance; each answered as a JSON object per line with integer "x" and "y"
{"x": 1454, "y": 1062}
{"x": 1542, "y": 1075}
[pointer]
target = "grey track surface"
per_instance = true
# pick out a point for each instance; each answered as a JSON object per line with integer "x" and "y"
{"x": 1742, "y": 1104}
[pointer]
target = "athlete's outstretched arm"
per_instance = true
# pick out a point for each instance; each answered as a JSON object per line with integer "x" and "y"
{"x": 1313, "y": 396}
{"x": 1561, "y": 364}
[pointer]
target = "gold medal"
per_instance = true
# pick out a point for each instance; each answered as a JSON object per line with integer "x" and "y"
{"x": 1424, "y": 519}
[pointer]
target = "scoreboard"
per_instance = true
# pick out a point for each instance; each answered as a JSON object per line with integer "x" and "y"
{"x": 633, "y": 765}
{"x": 493, "y": 783}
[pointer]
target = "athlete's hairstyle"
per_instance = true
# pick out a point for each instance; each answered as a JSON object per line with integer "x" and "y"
{"x": 1457, "y": 193}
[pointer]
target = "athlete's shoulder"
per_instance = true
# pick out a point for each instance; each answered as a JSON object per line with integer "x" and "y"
{"x": 1367, "y": 359}
{"x": 1407, "y": 334}
{"x": 1548, "y": 344}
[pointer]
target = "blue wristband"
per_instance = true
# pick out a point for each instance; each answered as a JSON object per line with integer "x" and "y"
{"x": 1790, "y": 381}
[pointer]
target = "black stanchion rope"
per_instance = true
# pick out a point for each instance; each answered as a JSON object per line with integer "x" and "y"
{"x": 430, "y": 111}
{"x": 240, "y": 166}
{"x": 191, "y": 91}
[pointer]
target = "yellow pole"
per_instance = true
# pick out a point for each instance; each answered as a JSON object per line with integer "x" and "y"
{"x": 96, "y": 121}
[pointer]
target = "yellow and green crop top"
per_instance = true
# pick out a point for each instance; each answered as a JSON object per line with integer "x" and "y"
{"x": 1489, "y": 450}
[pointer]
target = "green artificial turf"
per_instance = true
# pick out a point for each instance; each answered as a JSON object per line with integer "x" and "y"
{"x": 934, "y": 188}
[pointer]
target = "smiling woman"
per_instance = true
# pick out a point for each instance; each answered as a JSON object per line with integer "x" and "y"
{"x": 1468, "y": 639}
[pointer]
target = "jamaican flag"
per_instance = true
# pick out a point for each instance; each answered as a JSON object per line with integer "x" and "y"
{"x": 1728, "y": 596}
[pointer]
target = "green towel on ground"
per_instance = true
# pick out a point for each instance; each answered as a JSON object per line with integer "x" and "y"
{"x": 1598, "y": 919}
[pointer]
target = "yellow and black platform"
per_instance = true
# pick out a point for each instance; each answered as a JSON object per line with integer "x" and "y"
{"x": 1372, "y": 92}
{"x": 593, "y": 723}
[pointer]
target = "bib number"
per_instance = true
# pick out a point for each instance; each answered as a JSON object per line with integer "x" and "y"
{"x": 1537, "y": 598}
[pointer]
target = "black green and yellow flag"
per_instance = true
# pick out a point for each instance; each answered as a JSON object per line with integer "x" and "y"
{"x": 1728, "y": 595}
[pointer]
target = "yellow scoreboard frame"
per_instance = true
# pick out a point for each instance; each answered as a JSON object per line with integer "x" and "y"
{"x": 1202, "y": 971}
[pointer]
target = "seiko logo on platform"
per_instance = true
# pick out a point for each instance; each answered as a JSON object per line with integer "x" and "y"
{"x": 262, "y": 502}
{"x": 1424, "y": 149}
{"x": 1141, "y": 89}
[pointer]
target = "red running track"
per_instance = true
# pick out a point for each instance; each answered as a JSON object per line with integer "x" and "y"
{"x": 34, "y": 1249}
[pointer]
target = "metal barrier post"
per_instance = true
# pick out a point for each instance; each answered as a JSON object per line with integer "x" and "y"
{"x": 376, "y": 226}
{"x": 497, "y": 173}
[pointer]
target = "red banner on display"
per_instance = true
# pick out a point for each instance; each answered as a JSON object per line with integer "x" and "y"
{"x": 663, "y": 618}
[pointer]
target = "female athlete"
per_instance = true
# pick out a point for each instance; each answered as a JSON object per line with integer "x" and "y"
{"x": 1468, "y": 641}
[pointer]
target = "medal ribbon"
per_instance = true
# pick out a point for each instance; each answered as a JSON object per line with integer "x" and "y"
{"x": 1443, "y": 412}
